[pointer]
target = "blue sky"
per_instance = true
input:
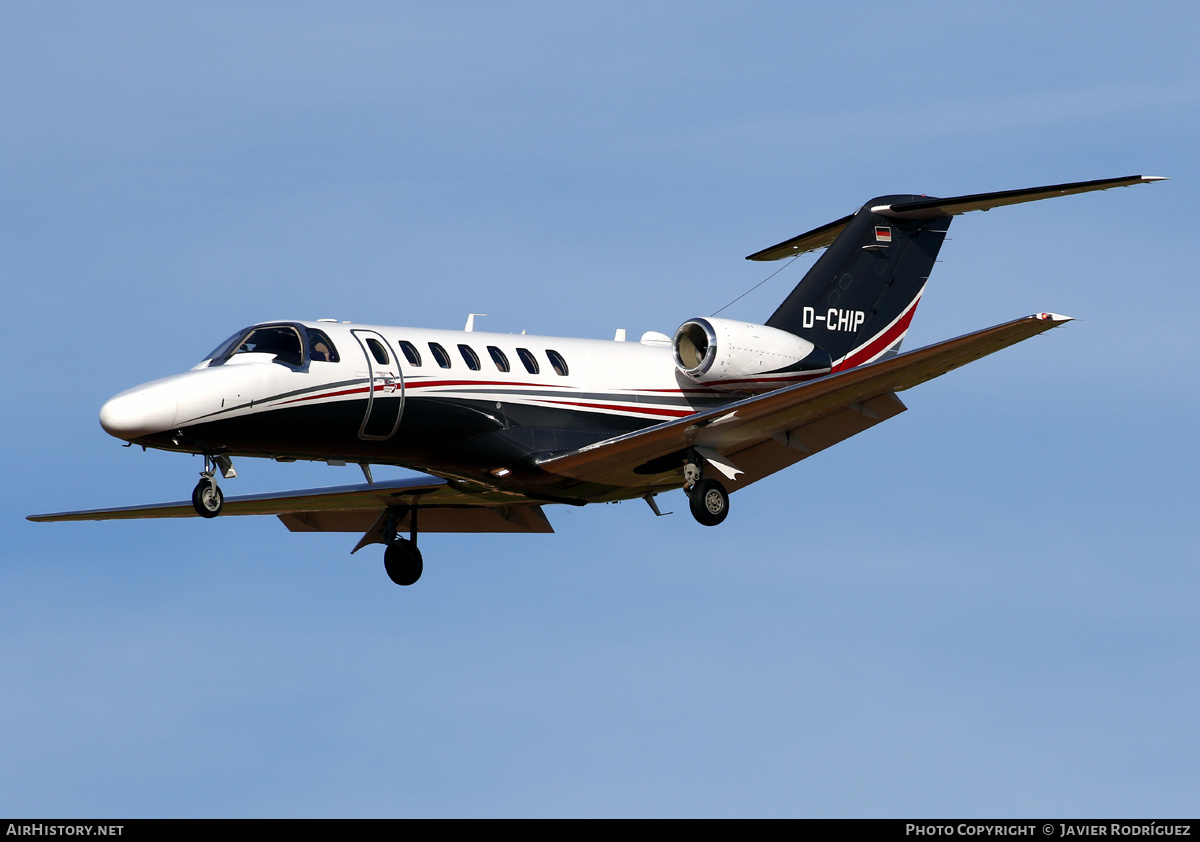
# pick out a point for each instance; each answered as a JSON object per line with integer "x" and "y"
{"x": 985, "y": 606}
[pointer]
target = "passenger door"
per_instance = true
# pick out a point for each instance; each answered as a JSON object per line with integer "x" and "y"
{"x": 385, "y": 395}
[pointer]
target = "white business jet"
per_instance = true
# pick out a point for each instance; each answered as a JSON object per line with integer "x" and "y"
{"x": 501, "y": 425}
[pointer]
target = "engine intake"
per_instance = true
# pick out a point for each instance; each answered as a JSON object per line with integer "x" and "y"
{"x": 740, "y": 356}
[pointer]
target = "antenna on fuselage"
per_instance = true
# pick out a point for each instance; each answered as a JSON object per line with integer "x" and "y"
{"x": 470, "y": 328}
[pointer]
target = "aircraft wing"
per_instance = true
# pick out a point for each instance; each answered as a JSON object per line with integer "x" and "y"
{"x": 755, "y": 437}
{"x": 356, "y": 508}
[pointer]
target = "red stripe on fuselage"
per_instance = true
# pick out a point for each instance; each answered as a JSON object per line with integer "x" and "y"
{"x": 419, "y": 384}
{"x": 333, "y": 394}
{"x": 881, "y": 343}
{"x": 410, "y": 386}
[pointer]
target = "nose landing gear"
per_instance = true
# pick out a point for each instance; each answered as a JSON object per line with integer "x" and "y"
{"x": 207, "y": 498}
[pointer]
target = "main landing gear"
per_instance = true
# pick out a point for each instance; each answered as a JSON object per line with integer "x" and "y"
{"x": 709, "y": 502}
{"x": 707, "y": 498}
{"x": 402, "y": 559}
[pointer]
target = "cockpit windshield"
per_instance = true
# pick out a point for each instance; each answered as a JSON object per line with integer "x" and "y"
{"x": 281, "y": 341}
{"x": 222, "y": 351}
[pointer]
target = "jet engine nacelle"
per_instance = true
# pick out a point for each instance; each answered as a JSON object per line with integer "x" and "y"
{"x": 739, "y": 356}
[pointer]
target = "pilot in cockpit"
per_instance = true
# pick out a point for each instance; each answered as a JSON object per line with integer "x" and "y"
{"x": 320, "y": 352}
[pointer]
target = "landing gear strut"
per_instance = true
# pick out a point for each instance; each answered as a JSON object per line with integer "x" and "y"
{"x": 707, "y": 498}
{"x": 402, "y": 559}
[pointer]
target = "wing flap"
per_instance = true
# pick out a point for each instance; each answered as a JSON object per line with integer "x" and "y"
{"x": 787, "y": 448}
{"x": 432, "y": 518}
{"x": 864, "y": 392}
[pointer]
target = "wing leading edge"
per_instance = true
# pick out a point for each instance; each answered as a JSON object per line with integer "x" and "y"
{"x": 758, "y": 436}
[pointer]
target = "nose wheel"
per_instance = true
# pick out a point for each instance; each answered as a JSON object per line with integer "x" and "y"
{"x": 207, "y": 498}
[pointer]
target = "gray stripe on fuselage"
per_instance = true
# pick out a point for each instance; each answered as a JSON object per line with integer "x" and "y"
{"x": 323, "y": 387}
{"x": 445, "y": 392}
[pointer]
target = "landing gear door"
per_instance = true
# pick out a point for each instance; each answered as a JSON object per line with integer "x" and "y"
{"x": 385, "y": 393}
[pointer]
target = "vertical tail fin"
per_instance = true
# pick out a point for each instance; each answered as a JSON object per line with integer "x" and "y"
{"x": 858, "y": 299}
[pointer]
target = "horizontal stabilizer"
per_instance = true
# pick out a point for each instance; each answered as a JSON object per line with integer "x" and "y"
{"x": 930, "y": 207}
{"x": 818, "y": 238}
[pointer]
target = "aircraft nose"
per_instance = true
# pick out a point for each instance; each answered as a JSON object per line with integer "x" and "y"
{"x": 139, "y": 412}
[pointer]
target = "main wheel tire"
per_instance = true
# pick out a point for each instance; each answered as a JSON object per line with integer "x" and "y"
{"x": 207, "y": 498}
{"x": 709, "y": 502}
{"x": 403, "y": 563}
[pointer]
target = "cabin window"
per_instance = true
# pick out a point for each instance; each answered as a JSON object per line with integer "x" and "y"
{"x": 557, "y": 361}
{"x": 498, "y": 357}
{"x": 321, "y": 347}
{"x": 378, "y": 351}
{"x": 410, "y": 352}
{"x": 469, "y": 357}
{"x": 528, "y": 360}
{"x": 439, "y": 354}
